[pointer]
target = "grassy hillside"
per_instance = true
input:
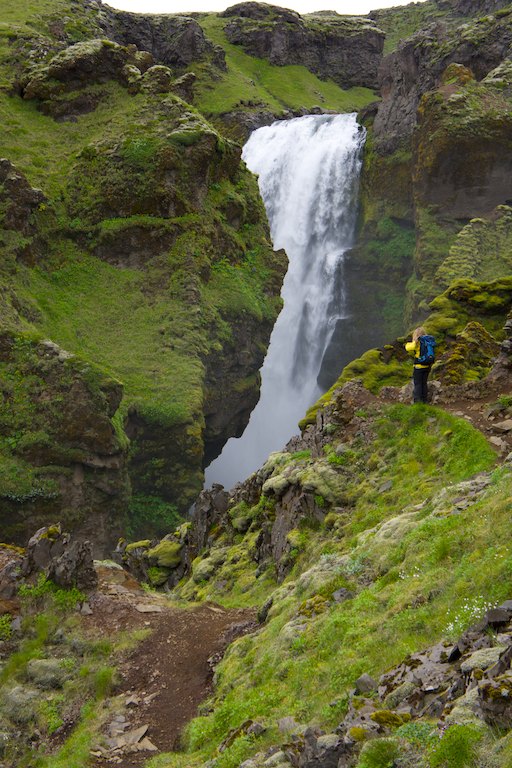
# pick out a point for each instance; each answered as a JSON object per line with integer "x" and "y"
{"x": 254, "y": 80}
{"x": 392, "y": 535}
{"x": 148, "y": 252}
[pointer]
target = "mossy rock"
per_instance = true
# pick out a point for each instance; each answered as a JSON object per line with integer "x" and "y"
{"x": 313, "y": 606}
{"x": 469, "y": 358}
{"x": 166, "y": 554}
{"x": 203, "y": 569}
{"x": 157, "y": 576}
{"x": 144, "y": 544}
{"x": 387, "y": 718}
{"x": 457, "y": 74}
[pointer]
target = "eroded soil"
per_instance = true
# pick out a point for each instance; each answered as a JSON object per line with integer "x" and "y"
{"x": 165, "y": 678}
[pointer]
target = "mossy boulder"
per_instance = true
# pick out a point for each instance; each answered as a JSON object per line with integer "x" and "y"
{"x": 65, "y": 85}
{"x": 166, "y": 554}
{"x": 203, "y": 569}
{"x": 494, "y": 698}
{"x": 456, "y": 74}
{"x": 157, "y": 79}
{"x": 387, "y": 718}
{"x": 47, "y": 673}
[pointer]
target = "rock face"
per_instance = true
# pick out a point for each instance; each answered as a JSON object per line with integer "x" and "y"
{"x": 348, "y": 50}
{"x": 438, "y": 160}
{"x": 66, "y": 460}
{"x": 471, "y": 7}
{"x": 417, "y": 65}
{"x": 173, "y": 40}
{"x": 462, "y": 147}
{"x": 64, "y": 561}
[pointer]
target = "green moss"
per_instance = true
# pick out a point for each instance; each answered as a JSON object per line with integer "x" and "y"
{"x": 482, "y": 250}
{"x": 387, "y": 718}
{"x": 144, "y": 544}
{"x": 167, "y": 554}
{"x": 157, "y": 576}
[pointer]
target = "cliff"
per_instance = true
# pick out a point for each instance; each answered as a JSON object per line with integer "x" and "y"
{"x": 133, "y": 237}
{"x": 347, "y": 50}
{"x": 437, "y": 157}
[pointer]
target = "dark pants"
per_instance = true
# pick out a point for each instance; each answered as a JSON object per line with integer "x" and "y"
{"x": 419, "y": 377}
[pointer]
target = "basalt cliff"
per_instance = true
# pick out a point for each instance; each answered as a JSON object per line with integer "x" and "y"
{"x": 349, "y": 604}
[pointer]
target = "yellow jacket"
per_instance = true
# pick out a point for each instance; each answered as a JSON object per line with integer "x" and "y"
{"x": 414, "y": 346}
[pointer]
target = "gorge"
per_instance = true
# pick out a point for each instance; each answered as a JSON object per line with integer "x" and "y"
{"x": 347, "y": 602}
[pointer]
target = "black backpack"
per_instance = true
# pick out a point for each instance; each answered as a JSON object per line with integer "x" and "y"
{"x": 427, "y": 350}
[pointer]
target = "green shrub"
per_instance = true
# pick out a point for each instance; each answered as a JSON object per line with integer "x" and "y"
{"x": 50, "y": 714}
{"x": 5, "y": 627}
{"x": 379, "y": 753}
{"x": 103, "y": 682}
{"x": 64, "y": 600}
{"x": 457, "y": 748}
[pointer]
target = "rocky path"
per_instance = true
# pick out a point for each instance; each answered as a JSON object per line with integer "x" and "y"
{"x": 165, "y": 678}
{"x": 482, "y": 414}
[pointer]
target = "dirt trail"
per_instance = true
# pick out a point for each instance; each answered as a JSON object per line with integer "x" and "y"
{"x": 165, "y": 678}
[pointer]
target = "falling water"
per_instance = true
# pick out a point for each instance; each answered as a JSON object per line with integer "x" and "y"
{"x": 308, "y": 172}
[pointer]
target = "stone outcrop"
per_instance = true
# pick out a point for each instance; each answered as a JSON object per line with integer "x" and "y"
{"x": 19, "y": 199}
{"x": 462, "y": 150}
{"x": 65, "y": 88}
{"x": 67, "y": 461}
{"x": 173, "y": 40}
{"x": 65, "y": 561}
{"x": 418, "y": 64}
{"x": 347, "y": 50}
{"x": 471, "y": 7}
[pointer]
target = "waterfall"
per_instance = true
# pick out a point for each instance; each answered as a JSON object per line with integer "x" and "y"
{"x": 308, "y": 171}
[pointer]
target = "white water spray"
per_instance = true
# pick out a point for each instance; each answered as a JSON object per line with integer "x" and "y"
{"x": 308, "y": 172}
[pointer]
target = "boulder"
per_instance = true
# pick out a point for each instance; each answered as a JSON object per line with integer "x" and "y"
{"x": 20, "y": 704}
{"x": 19, "y": 200}
{"x": 495, "y": 697}
{"x": 67, "y": 563}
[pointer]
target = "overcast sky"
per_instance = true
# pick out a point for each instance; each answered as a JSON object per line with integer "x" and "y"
{"x": 303, "y": 6}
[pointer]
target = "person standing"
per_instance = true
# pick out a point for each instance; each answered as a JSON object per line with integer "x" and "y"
{"x": 423, "y": 347}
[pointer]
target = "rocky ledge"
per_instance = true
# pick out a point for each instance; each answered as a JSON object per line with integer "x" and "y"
{"x": 347, "y": 50}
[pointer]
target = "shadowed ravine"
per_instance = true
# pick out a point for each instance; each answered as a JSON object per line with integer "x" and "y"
{"x": 308, "y": 172}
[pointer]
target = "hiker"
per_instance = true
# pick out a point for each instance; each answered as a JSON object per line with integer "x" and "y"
{"x": 423, "y": 347}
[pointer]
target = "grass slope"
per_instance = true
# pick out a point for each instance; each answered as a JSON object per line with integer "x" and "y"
{"x": 266, "y": 86}
{"x": 152, "y": 327}
{"x": 396, "y": 540}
